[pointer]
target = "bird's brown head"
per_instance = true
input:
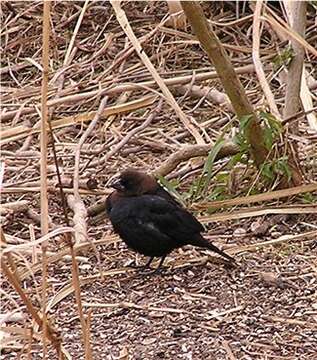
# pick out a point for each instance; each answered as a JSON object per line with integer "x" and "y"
{"x": 133, "y": 182}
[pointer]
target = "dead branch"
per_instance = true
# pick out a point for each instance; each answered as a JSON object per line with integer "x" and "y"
{"x": 230, "y": 81}
{"x": 15, "y": 206}
{"x": 213, "y": 95}
{"x": 191, "y": 151}
{"x": 297, "y": 19}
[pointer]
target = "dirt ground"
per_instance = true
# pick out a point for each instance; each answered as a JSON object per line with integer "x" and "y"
{"x": 195, "y": 308}
{"x": 206, "y": 311}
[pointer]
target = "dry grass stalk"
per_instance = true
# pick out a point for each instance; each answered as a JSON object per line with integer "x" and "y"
{"x": 257, "y": 63}
{"x": 277, "y": 23}
{"x": 123, "y": 21}
{"x": 77, "y": 27}
{"x": 21, "y": 131}
{"x": 270, "y": 195}
{"x": 80, "y": 212}
{"x": 43, "y": 239}
{"x": 50, "y": 332}
{"x": 241, "y": 214}
{"x": 208, "y": 75}
{"x": 80, "y": 230}
{"x": 53, "y": 189}
{"x": 43, "y": 166}
{"x": 309, "y": 235}
{"x": 178, "y": 18}
{"x": 306, "y": 98}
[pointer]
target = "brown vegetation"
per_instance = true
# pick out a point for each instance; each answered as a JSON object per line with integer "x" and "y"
{"x": 127, "y": 85}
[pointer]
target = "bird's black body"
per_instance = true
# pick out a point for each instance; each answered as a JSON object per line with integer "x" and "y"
{"x": 151, "y": 222}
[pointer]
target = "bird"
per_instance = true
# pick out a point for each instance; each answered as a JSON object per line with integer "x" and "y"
{"x": 150, "y": 220}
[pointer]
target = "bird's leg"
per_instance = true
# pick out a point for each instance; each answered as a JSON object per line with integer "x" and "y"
{"x": 147, "y": 265}
{"x": 161, "y": 262}
{"x": 142, "y": 267}
{"x": 159, "y": 268}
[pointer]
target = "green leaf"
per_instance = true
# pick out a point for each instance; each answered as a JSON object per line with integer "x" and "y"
{"x": 268, "y": 138}
{"x": 272, "y": 128}
{"x": 308, "y": 198}
{"x": 218, "y": 193}
{"x": 274, "y": 124}
{"x": 193, "y": 189}
{"x": 282, "y": 166}
{"x": 284, "y": 58}
{"x": 244, "y": 122}
{"x": 222, "y": 177}
{"x": 208, "y": 167}
{"x": 267, "y": 171}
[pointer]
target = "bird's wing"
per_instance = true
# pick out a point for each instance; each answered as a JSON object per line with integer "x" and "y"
{"x": 108, "y": 204}
{"x": 111, "y": 200}
{"x": 170, "y": 218}
{"x": 156, "y": 214}
{"x": 161, "y": 192}
{"x": 134, "y": 221}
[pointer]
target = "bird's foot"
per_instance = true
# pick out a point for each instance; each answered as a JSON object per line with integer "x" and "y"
{"x": 142, "y": 267}
{"x": 159, "y": 271}
{"x": 147, "y": 270}
{"x": 150, "y": 271}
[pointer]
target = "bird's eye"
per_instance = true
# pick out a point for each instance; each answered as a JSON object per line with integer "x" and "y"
{"x": 129, "y": 184}
{"x": 124, "y": 182}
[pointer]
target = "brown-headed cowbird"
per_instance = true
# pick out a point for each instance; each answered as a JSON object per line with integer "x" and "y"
{"x": 149, "y": 220}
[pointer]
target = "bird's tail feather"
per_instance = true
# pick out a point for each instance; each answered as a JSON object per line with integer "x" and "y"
{"x": 202, "y": 242}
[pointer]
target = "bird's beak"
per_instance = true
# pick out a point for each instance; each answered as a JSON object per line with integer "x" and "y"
{"x": 116, "y": 184}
